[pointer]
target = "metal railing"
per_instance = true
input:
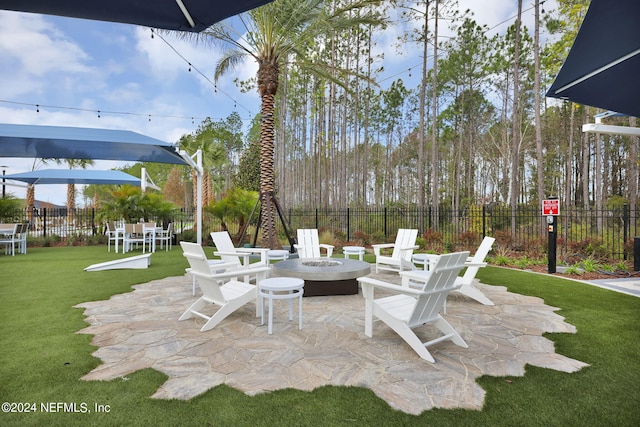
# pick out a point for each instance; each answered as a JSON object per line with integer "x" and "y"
{"x": 579, "y": 230}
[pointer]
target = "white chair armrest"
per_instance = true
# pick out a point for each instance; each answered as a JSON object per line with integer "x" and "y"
{"x": 475, "y": 264}
{"x": 329, "y": 249}
{"x": 377, "y": 248}
{"x": 367, "y": 282}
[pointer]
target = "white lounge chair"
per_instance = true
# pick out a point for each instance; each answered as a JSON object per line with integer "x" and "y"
{"x": 221, "y": 289}
{"x": 412, "y": 307}
{"x": 403, "y": 248}
{"x": 465, "y": 282}
{"x": 231, "y": 255}
{"x": 473, "y": 265}
{"x": 309, "y": 245}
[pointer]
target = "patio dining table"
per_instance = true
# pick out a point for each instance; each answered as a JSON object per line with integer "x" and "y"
{"x": 147, "y": 232}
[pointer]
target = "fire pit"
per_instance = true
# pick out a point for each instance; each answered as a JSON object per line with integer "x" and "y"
{"x": 324, "y": 276}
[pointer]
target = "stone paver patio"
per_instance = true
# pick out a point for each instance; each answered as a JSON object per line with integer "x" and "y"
{"x": 140, "y": 330}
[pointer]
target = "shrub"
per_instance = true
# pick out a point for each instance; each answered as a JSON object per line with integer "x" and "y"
{"x": 468, "y": 241}
{"x": 361, "y": 237}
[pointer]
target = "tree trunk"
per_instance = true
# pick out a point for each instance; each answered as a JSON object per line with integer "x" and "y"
{"x": 515, "y": 128}
{"x": 633, "y": 173}
{"x": 435, "y": 176}
{"x": 268, "y": 74}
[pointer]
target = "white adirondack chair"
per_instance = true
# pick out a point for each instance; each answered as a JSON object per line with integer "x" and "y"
{"x": 466, "y": 281}
{"x": 230, "y": 255}
{"x": 403, "y": 248}
{"x": 412, "y": 307}
{"x": 221, "y": 289}
{"x": 309, "y": 245}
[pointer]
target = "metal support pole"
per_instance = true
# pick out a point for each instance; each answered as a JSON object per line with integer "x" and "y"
{"x": 553, "y": 234}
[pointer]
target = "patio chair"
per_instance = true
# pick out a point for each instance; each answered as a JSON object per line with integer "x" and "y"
{"x": 165, "y": 236}
{"x": 221, "y": 289}
{"x": 21, "y": 237}
{"x": 8, "y": 237}
{"x": 309, "y": 245}
{"x": 400, "y": 258}
{"x": 466, "y": 281}
{"x": 112, "y": 235}
{"x": 411, "y": 307}
{"x": 133, "y": 234}
{"x": 231, "y": 255}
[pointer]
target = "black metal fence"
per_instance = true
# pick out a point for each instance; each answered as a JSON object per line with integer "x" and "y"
{"x": 606, "y": 233}
{"x": 609, "y": 232}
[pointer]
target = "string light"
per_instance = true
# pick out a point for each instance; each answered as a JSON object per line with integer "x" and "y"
{"x": 102, "y": 112}
{"x": 215, "y": 87}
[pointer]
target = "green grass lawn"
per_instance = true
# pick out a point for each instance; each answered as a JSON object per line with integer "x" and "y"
{"x": 42, "y": 360}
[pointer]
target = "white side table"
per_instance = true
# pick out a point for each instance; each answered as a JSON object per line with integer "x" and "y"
{"x": 277, "y": 255}
{"x": 281, "y": 288}
{"x": 426, "y": 260}
{"x": 353, "y": 250}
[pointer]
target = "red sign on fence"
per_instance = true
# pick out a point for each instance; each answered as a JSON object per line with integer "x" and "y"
{"x": 551, "y": 207}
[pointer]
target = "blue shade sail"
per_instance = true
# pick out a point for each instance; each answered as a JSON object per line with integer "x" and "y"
{"x": 603, "y": 66}
{"x": 178, "y": 15}
{"x": 75, "y": 176}
{"x": 56, "y": 142}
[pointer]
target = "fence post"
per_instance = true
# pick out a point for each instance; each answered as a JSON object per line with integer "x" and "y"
{"x": 93, "y": 221}
{"x": 348, "y": 225}
{"x": 484, "y": 221}
{"x": 44, "y": 222}
{"x": 384, "y": 221}
{"x": 317, "y": 218}
{"x": 625, "y": 229}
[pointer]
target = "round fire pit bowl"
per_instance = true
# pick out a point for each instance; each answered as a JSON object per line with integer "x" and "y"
{"x": 324, "y": 276}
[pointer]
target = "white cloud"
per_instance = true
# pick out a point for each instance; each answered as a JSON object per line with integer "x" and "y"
{"x": 37, "y": 47}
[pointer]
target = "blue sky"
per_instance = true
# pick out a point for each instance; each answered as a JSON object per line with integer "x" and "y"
{"x": 90, "y": 66}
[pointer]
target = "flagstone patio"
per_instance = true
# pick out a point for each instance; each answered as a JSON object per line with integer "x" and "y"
{"x": 140, "y": 330}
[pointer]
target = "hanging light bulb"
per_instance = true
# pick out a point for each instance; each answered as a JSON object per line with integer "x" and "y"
{"x": 151, "y": 32}
{"x": 189, "y": 66}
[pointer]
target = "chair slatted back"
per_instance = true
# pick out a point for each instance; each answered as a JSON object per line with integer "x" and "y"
{"x": 479, "y": 256}
{"x": 130, "y": 229}
{"x": 223, "y": 243}
{"x": 439, "y": 284}
{"x": 405, "y": 238}
{"x": 309, "y": 243}
{"x": 197, "y": 259}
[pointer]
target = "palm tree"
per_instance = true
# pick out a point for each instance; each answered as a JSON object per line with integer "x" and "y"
{"x": 71, "y": 188}
{"x": 279, "y": 32}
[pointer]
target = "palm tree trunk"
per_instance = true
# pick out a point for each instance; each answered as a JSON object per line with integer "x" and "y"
{"x": 267, "y": 137}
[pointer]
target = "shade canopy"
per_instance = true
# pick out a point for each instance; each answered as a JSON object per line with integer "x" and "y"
{"x": 603, "y": 66}
{"x": 75, "y": 176}
{"x": 84, "y": 143}
{"x": 179, "y": 15}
